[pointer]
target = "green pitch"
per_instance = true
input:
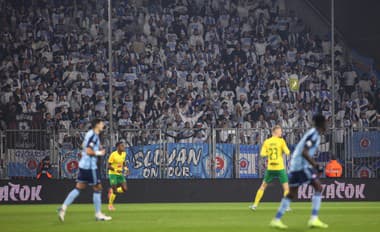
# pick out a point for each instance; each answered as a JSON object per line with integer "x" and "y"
{"x": 197, "y": 217}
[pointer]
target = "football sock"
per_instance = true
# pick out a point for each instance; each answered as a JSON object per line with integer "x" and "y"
{"x": 119, "y": 190}
{"x": 258, "y": 197}
{"x": 70, "y": 198}
{"x": 286, "y": 193}
{"x": 285, "y": 202}
{"x": 316, "y": 204}
{"x": 97, "y": 198}
{"x": 112, "y": 198}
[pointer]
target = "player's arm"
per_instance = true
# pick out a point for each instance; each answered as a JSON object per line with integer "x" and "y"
{"x": 112, "y": 168}
{"x": 110, "y": 162}
{"x": 91, "y": 151}
{"x": 306, "y": 155}
{"x": 263, "y": 151}
{"x": 285, "y": 148}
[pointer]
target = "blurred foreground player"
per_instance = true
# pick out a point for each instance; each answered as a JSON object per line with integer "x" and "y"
{"x": 273, "y": 148}
{"x": 117, "y": 180}
{"x": 88, "y": 172}
{"x": 304, "y": 169}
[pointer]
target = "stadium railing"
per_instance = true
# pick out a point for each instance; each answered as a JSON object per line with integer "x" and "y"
{"x": 223, "y": 152}
{"x": 23, "y": 149}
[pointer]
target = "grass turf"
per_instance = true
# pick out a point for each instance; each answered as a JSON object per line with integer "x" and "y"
{"x": 198, "y": 217}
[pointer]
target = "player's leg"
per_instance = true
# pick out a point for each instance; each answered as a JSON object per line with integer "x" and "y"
{"x": 295, "y": 180}
{"x": 80, "y": 185}
{"x": 111, "y": 197}
{"x": 119, "y": 185}
{"x": 97, "y": 199}
{"x": 283, "y": 177}
{"x": 112, "y": 191}
{"x": 97, "y": 196}
{"x": 259, "y": 195}
{"x": 284, "y": 206}
{"x": 285, "y": 187}
{"x": 122, "y": 185}
{"x": 268, "y": 178}
{"x": 73, "y": 194}
{"x": 316, "y": 205}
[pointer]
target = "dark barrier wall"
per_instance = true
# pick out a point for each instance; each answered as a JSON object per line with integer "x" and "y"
{"x": 219, "y": 190}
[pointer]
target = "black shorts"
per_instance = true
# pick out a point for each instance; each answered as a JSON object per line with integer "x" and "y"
{"x": 89, "y": 176}
{"x": 301, "y": 177}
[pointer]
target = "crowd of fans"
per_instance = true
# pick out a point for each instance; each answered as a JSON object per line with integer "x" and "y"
{"x": 176, "y": 64}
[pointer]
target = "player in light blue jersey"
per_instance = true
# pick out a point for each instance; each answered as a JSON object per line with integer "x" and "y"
{"x": 304, "y": 170}
{"x": 88, "y": 172}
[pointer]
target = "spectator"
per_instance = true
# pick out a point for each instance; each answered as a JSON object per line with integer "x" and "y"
{"x": 350, "y": 78}
{"x": 222, "y": 65}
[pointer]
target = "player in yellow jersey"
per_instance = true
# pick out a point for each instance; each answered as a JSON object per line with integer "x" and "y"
{"x": 115, "y": 173}
{"x": 273, "y": 148}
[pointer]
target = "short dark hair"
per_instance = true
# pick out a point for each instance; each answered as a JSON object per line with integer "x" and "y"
{"x": 95, "y": 122}
{"x": 319, "y": 120}
{"x": 119, "y": 143}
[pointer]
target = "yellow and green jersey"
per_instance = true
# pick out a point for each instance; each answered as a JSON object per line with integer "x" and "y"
{"x": 116, "y": 161}
{"x": 273, "y": 148}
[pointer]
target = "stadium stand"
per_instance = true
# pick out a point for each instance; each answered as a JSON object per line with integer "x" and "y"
{"x": 182, "y": 64}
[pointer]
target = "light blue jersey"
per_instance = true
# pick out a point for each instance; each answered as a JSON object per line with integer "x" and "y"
{"x": 91, "y": 140}
{"x": 311, "y": 141}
